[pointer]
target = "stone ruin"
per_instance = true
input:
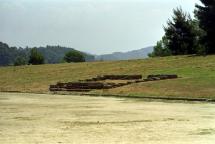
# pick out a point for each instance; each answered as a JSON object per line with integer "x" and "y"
{"x": 115, "y": 77}
{"x": 98, "y": 82}
{"x": 161, "y": 77}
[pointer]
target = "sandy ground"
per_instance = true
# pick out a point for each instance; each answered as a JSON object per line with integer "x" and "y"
{"x": 58, "y": 119}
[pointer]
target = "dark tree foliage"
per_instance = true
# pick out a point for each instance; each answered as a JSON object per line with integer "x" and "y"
{"x": 181, "y": 34}
{"x": 206, "y": 17}
{"x": 8, "y": 55}
{"x": 52, "y": 54}
{"x": 5, "y": 54}
{"x": 20, "y": 60}
{"x": 161, "y": 49}
{"x": 74, "y": 56}
{"x": 55, "y": 54}
{"x": 36, "y": 57}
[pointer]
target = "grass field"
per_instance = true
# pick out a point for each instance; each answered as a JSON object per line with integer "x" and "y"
{"x": 197, "y": 76}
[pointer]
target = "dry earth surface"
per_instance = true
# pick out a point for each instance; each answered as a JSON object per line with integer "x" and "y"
{"x": 59, "y": 119}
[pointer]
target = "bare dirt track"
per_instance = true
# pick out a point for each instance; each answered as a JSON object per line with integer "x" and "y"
{"x": 59, "y": 119}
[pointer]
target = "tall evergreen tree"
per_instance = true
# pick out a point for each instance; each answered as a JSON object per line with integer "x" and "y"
{"x": 206, "y": 17}
{"x": 181, "y": 34}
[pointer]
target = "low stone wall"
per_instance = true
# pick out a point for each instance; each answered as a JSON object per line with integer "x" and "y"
{"x": 92, "y": 84}
{"x": 161, "y": 77}
{"x": 115, "y": 77}
{"x": 76, "y": 85}
{"x": 84, "y": 86}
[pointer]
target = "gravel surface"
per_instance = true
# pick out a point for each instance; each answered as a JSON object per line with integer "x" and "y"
{"x": 61, "y": 119}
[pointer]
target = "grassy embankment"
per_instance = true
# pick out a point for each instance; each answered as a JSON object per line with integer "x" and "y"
{"x": 197, "y": 76}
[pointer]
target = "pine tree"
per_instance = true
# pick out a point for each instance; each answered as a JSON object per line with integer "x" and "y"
{"x": 180, "y": 34}
{"x": 206, "y": 17}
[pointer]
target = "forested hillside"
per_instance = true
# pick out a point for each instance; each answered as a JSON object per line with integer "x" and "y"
{"x": 52, "y": 54}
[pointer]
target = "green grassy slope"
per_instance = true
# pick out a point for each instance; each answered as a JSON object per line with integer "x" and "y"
{"x": 197, "y": 76}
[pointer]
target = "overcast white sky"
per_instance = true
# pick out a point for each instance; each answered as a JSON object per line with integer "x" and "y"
{"x": 95, "y": 26}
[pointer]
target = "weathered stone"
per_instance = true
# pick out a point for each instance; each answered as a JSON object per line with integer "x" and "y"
{"x": 122, "y": 77}
{"x": 157, "y": 77}
{"x": 90, "y": 84}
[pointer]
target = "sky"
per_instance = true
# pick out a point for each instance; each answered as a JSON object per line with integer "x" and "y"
{"x": 94, "y": 26}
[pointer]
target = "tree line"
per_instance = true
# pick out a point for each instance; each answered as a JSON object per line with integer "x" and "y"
{"x": 40, "y": 55}
{"x": 185, "y": 36}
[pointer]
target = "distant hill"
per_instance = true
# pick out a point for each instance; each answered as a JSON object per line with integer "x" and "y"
{"x": 55, "y": 54}
{"x": 135, "y": 54}
{"x": 52, "y": 54}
